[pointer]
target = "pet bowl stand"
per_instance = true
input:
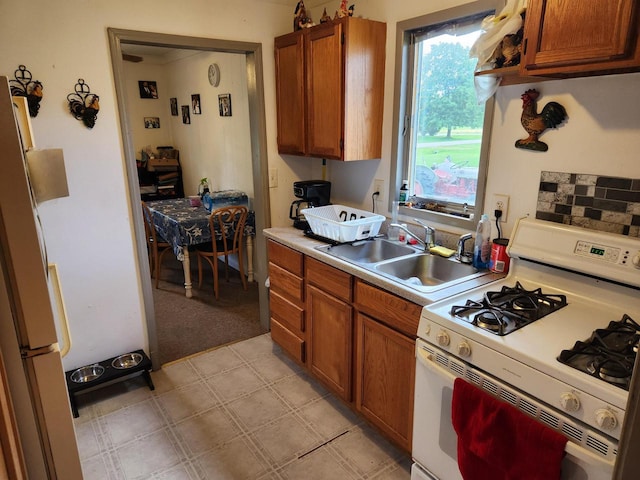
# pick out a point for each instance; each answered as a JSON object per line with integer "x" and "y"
{"x": 110, "y": 375}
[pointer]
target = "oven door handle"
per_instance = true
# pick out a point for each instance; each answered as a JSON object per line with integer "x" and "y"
{"x": 573, "y": 449}
{"x": 426, "y": 359}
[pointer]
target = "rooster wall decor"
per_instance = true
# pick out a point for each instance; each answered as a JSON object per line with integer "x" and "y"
{"x": 25, "y": 86}
{"x": 552, "y": 115}
{"x": 83, "y": 104}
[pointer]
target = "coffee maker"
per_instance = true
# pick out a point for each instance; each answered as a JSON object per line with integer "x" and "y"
{"x": 312, "y": 193}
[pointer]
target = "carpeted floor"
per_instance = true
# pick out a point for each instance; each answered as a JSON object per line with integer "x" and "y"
{"x": 190, "y": 325}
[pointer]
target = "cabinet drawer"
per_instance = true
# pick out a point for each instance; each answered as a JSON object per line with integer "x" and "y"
{"x": 285, "y": 283}
{"x": 394, "y": 311}
{"x": 286, "y": 258}
{"x": 290, "y": 342}
{"x": 329, "y": 279}
{"x": 286, "y": 313}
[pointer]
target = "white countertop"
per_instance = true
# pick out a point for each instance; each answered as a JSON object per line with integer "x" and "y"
{"x": 295, "y": 239}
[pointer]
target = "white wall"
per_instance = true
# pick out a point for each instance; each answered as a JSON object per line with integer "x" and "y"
{"x": 211, "y": 146}
{"x": 89, "y": 233}
{"x": 139, "y": 108}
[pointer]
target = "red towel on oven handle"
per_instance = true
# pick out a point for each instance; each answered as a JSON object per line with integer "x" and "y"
{"x": 498, "y": 442}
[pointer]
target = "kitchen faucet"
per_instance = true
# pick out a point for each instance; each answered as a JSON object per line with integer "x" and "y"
{"x": 460, "y": 253}
{"x": 429, "y": 234}
{"x": 429, "y": 237}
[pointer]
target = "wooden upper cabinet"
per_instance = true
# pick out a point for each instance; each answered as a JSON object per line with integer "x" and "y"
{"x": 330, "y": 90}
{"x": 325, "y": 92}
{"x": 569, "y": 38}
{"x": 289, "y": 52}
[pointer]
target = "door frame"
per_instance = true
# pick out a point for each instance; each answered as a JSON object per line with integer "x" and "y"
{"x": 255, "y": 83}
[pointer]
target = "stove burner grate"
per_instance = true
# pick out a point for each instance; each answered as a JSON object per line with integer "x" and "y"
{"x": 608, "y": 354}
{"x": 502, "y": 312}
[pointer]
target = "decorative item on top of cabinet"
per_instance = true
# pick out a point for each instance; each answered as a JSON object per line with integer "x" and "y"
{"x": 325, "y": 17}
{"x": 301, "y": 18}
{"x": 552, "y": 115}
{"x": 330, "y": 90}
{"x": 342, "y": 11}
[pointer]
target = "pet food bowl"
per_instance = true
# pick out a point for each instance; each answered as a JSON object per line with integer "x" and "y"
{"x": 128, "y": 360}
{"x": 87, "y": 374}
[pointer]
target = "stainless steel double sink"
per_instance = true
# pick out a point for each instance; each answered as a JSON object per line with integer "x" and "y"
{"x": 403, "y": 263}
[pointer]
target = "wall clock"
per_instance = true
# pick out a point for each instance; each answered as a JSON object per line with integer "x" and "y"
{"x": 214, "y": 74}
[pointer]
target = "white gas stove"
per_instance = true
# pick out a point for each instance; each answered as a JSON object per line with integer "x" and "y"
{"x": 582, "y": 280}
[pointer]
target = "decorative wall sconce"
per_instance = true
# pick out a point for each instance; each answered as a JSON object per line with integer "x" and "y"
{"x": 83, "y": 104}
{"x": 25, "y": 86}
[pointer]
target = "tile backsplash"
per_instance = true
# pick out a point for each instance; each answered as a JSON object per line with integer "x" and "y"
{"x": 610, "y": 204}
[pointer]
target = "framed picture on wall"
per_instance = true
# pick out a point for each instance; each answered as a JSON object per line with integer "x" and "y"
{"x": 148, "y": 89}
{"x": 195, "y": 104}
{"x": 174, "y": 106}
{"x": 224, "y": 102}
{"x": 186, "y": 118}
{"x": 151, "y": 122}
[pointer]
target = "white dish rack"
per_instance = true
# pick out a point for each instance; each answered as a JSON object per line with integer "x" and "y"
{"x": 343, "y": 224}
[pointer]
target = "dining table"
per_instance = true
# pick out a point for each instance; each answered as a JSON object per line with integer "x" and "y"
{"x": 184, "y": 225}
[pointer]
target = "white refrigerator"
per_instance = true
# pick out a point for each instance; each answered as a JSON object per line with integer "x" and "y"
{"x": 37, "y": 436}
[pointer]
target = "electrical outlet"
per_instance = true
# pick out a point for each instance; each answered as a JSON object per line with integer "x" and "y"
{"x": 378, "y": 186}
{"x": 273, "y": 177}
{"x": 500, "y": 202}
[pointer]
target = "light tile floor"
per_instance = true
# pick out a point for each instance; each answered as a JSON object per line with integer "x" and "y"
{"x": 243, "y": 411}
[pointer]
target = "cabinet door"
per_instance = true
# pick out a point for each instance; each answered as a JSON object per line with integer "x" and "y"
{"x": 289, "y": 53}
{"x": 325, "y": 91}
{"x": 385, "y": 376}
{"x": 572, "y": 37}
{"x": 330, "y": 340}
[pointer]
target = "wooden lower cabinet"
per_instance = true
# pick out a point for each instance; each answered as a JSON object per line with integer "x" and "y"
{"x": 330, "y": 341}
{"x": 356, "y": 338}
{"x": 384, "y": 380}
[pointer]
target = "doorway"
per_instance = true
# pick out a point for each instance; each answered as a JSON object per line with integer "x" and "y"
{"x": 253, "y": 54}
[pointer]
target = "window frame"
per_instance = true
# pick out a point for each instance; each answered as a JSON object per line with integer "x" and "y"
{"x": 404, "y": 85}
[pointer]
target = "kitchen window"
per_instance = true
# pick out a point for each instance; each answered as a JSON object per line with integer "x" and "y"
{"x": 442, "y": 134}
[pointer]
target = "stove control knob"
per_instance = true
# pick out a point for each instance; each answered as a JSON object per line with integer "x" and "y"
{"x": 464, "y": 349}
{"x": 636, "y": 260}
{"x": 606, "y": 419}
{"x": 569, "y": 402}
{"x": 443, "y": 338}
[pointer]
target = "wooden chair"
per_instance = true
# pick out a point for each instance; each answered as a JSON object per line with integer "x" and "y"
{"x": 156, "y": 245}
{"x": 228, "y": 223}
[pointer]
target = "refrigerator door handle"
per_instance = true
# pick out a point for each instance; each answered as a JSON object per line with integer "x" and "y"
{"x": 36, "y": 352}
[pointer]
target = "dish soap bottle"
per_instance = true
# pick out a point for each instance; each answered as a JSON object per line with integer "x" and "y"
{"x": 482, "y": 246}
{"x": 404, "y": 192}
